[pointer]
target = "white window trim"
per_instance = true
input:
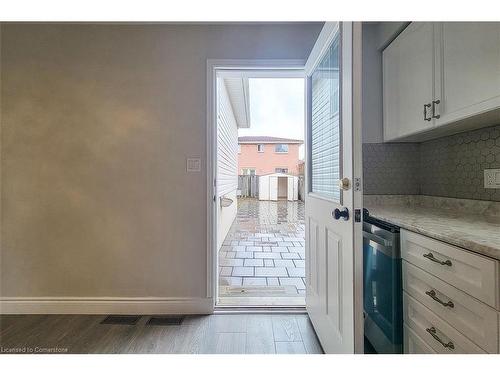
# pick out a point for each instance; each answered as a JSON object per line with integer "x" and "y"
{"x": 281, "y": 152}
{"x": 220, "y": 67}
{"x": 260, "y": 145}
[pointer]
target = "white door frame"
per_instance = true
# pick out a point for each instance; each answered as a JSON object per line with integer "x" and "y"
{"x": 357, "y": 151}
{"x": 229, "y": 67}
{"x": 324, "y": 39}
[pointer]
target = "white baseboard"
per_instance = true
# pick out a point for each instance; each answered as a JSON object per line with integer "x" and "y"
{"x": 105, "y": 305}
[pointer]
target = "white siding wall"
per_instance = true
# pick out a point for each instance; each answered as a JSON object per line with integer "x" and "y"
{"x": 227, "y": 143}
{"x": 227, "y": 161}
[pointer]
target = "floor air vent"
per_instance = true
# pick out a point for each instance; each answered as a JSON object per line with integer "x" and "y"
{"x": 166, "y": 320}
{"x": 121, "y": 319}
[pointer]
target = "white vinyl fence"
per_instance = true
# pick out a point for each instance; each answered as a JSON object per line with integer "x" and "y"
{"x": 248, "y": 186}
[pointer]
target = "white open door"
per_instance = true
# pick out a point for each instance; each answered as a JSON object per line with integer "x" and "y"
{"x": 290, "y": 188}
{"x": 273, "y": 188}
{"x": 333, "y": 155}
{"x": 263, "y": 188}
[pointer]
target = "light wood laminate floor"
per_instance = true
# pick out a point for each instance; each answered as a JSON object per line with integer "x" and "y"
{"x": 198, "y": 334}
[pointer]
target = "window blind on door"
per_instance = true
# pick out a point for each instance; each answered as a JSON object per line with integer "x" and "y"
{"x": 325, "y": 147}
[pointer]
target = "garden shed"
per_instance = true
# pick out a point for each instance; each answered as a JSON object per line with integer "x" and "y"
{"x": 275, "y": 186}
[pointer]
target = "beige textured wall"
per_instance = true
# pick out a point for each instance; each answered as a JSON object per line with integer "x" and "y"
{"x": 97, "y": 121}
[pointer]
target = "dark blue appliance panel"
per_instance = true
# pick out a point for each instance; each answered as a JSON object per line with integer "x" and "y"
{"x": 383, "y": 292}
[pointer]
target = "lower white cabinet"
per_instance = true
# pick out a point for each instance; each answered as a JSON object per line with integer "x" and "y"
{"x": 437, "y": 333}
{"x": 413, "y": 344}
{"x": 475, "y": 274}
{"x": 471, "y": 317}
{"x": 448, "y": 308}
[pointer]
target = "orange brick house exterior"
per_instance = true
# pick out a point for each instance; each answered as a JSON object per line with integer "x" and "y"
{"x": 264, "y": 155}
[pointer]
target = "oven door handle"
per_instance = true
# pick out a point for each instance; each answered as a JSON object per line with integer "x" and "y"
{"x": 381, "y": 244}
{"x": 379, "y": 240}
{"x": 377, "y": 246}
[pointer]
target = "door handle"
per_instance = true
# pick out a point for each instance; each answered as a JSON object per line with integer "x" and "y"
{"x": 344, "y": 213}
{"x": 433, "y": 112}
{"x": 425, "y": 112}
{"x": 344, "y": 183}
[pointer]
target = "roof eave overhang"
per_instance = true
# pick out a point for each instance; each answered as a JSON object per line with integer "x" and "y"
{"x": 239, "y": 97}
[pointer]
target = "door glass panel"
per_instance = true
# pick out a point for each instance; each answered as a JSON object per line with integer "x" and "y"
{"x": 325, "y": 135}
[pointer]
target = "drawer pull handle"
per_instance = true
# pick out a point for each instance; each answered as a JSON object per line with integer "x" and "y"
{"x": 430, "y": 256}
{"x": 432, "y": 332}
{"x": 432, "y": 294}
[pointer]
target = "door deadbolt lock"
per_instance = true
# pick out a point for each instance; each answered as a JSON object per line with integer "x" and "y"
{"x": 344, "y": 183}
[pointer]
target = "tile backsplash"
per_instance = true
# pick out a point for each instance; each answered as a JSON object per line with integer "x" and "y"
{"x": 451, "y": 166}
{"x": 391, "y": 168}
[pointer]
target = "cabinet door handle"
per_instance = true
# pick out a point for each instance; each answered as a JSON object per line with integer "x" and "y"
{"x": 432, "y": 332}
{"x": 434, "y": 103}
{"x": 432, "y": 293}
{"x": 430, "y": 256}
{"x": 425, "y": 112}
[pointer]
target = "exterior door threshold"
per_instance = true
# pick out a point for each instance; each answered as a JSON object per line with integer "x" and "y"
{"x": 260, "y": 310}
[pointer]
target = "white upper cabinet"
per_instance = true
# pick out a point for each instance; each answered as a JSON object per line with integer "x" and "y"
{"x": 407, "y": 80}
{"x": 468, "y": 69}
{"x": 451, "y": 68}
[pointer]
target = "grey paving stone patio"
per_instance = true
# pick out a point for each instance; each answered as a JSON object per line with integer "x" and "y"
{"x": 264, "y": 248}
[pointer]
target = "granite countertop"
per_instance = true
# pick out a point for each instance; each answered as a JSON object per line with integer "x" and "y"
{"x": 472, "y": 225}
